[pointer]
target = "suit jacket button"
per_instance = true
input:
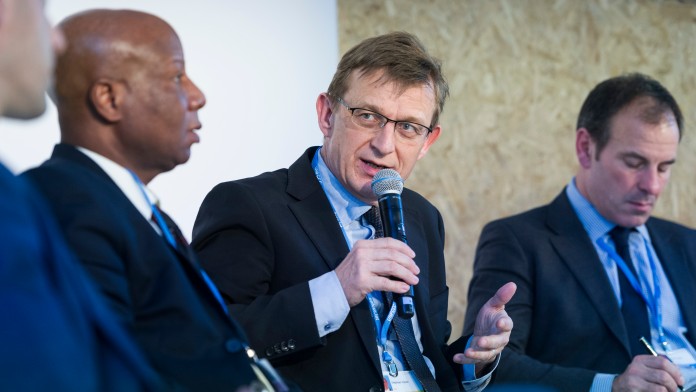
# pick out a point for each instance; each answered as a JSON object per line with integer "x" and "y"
{"x": 276, "y": 348}
{"x": 376, "y": 389}
{"x": 291, "y": 344}
{"x": 234, "y": 346}
{"x": 269, "y": 351}
{"x": 284, "y": 346}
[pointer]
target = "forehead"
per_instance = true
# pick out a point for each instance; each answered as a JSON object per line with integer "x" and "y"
{"x": 152, "y": 55}
{"x": 162, "y": 44}
{"x": 638, "y": 127}
{"x": 376, "y": 91}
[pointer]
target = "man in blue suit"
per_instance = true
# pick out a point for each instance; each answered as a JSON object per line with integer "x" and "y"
{"x": 595, "y": 272}
{"x": 56, "y": 334}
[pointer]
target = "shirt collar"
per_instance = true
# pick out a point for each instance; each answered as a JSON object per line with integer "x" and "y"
{"x": 125, "y": 181}
{"x": 595, "y": 224}
{"x": 347, "y": 207}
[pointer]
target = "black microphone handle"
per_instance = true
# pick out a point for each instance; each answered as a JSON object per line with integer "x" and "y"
{"x": 392, "y": 217}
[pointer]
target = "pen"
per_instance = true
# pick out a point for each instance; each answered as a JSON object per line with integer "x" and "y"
{"x": 647, "y": 345}
{"x": 652, "y": 351}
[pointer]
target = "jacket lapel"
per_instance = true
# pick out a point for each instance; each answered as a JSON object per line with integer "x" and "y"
{"x": 674, "y": 259}
{"x": 578, "y": 253}
{"x": 189, "y": 261}
{"x": 417, "y": 240}
{"x": 186, "y": 258}
{"x": 314, "y": 213}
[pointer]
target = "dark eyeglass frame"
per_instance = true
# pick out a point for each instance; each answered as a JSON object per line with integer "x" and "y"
{"x": 386, "y": 121}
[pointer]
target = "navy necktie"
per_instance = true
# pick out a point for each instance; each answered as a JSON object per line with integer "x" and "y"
{"x": 633, "y": 307}
{"x": 403, "y": 327}
{"x": 180, "y": 242}
{"x": 182, "y": 245}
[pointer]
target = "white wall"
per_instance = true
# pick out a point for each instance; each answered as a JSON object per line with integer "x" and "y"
{"x": 261, "y": 65}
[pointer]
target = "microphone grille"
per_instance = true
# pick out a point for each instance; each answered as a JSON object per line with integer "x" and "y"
{"x": 387, "y": 181}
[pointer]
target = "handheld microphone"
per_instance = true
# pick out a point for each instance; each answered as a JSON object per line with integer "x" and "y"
{"x": 387, "y": 186}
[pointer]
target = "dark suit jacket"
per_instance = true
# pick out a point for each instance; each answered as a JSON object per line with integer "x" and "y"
{"x": 568, "y": 325}
{"x": 263, "y": 239}
{"x": 157, "y": 292}
{"x": 55, "y": 334}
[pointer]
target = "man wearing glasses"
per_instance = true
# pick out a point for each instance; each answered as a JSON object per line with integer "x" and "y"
{"x": 295, "y": 256}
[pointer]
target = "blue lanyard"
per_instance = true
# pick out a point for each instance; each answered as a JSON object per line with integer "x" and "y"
{"x": 321, "y": 183}
{"x": 382, "y": 330}
{"x": 155, "y": 212}
{"x": 170, "y": 239}
{"x": 653, "y": 301}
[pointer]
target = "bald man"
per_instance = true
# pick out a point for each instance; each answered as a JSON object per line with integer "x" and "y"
{"x": 56, "y": 334}
{"x": 128, "y": 112}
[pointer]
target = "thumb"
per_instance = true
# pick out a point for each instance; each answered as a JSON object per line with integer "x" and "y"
{"x": 503, "y": 295}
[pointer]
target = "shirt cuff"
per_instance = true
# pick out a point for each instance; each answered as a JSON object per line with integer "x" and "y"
{"x": 329, "y": 302}
{"x": 470, "y": 382}
{"x": 602, "y": 382}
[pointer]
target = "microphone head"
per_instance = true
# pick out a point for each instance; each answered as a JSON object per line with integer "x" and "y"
{"x": 387, "y": 181}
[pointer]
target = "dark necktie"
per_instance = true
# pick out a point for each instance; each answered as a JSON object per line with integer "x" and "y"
{"x": 182, "y": 245}
{"x": 373, "y": 218}
{"x": 264, "y": 371}
{"x": 403, "y": 327}
{"x": 633, "y": 307}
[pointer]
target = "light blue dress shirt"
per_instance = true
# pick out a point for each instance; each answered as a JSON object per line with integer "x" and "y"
{"x": 330, "y": 304}
{"x": 640, "y": 245}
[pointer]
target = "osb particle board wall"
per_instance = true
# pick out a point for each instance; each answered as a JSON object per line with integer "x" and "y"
{"x": 519, "y": 71}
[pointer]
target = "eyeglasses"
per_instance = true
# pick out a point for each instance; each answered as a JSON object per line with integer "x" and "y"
{"x": 374, "y": 121}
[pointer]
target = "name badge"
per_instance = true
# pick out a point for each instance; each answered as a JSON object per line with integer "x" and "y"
{"x": 681, "y": 357}
{"x": 404, "y": 381}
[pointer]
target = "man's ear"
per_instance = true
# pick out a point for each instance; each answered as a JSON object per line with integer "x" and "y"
{"x": 432, "y": 137}
{"x": 107, "y": 98}
{"x": 584, "y": 147}
{"x": 325, "y": 115}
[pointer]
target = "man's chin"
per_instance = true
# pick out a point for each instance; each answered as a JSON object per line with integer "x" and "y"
{"x": 179, "y": 160}
{"x": 184, "y": 156}
{"x": 633, "y": 220}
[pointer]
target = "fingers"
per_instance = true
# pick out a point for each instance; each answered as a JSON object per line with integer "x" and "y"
{"x": 471, "y": 358}
{"x": 387, "y": 256}
{"x": 481, "y": 356}
{"x": 383, "y": 264}
{"x": 492, "y": 318}
{"x": 492, "y": 342}
{"x": 474, "y": 355}
{"x": 488, "y": 346}
{"x": 460, "y": 359}
{"x": 647, "y": 372}
{"x": 492, "y": 329}
{"x": 663, "y": 372}
{"x": 484, "y": 349}
{"x": 504, "y": 324}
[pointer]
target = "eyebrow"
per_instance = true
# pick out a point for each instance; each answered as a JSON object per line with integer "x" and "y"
{"x": 635, "y": 155}
{"x": 407, "y": 119}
